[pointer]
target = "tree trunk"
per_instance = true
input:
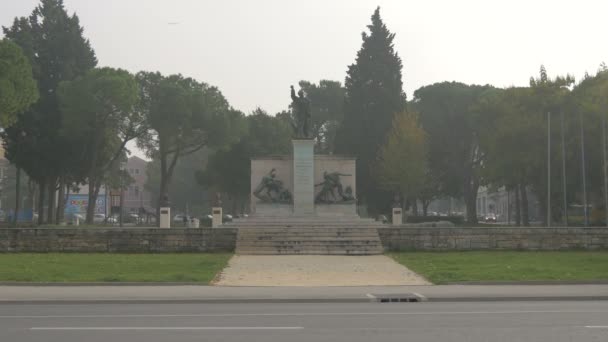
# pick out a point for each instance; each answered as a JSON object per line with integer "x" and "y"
{"x": 31, "y": 195}
{"x": 166, "y": 172}
{"x": 17, "y": 196}
{"x": 91, "y": 201}
{"x": 52, "y": 190}
{"x": 41, "y": 194}
{"x": 415, "y": 207}
{"x": 517, "y": 206}
{"x": 471, "y": 186}
{"x": 525, "y": 217}
{"x": 61, "y": 200}
{"x": 425, "y": 207}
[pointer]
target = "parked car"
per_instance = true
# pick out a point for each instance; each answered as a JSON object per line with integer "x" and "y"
{"x": 180, "y": 218}
{"x": 227, "y": 218}
{"x": 99, "y": 218}
{"x": 132, "y": 217}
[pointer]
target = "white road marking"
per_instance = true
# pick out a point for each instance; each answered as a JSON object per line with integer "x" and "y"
{"x": 422, "y": 297}
{"x": 309, "y": 314}
{"x": 597, "y": 326}
{"x": 164, "y": 328}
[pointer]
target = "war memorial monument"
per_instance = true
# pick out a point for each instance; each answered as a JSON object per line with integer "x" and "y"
{"x": 304, "y": 203}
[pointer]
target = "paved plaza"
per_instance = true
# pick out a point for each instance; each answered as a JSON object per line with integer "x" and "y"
{"x": 316, "y": 270}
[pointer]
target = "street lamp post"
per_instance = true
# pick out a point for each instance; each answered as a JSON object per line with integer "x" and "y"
{"x": 605, "y": 168}
{"x": 564, "y": 172}
{"x": 584, "y": 171}
{"x": 122, "y": 195}
{"x": 548, "y": 169}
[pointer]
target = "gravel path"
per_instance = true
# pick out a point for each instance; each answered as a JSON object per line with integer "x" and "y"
{"x": 316, "y": 270}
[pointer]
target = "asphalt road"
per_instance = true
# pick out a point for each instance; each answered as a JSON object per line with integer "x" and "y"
{"x": 433, "y": 322}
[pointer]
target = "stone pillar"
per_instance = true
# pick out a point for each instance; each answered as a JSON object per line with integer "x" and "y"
{"x": 165, "y": 217}
{"x": 397, "y": 216}
{"x": 216, "y": 213}
{"x": 303, "y": 177}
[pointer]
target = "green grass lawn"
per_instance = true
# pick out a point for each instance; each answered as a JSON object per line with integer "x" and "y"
{"x": 67, "y": 267}
{"x": 444, "y": 267}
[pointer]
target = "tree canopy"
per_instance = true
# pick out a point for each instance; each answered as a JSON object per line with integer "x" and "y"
{"x": 402, "y": 161}
{"x": 18, "y": 88}
{"x": 183, "y": 116}
{"x": 99, "y": 113}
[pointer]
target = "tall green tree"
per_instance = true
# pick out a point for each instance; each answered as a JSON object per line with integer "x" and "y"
{"x": 17, "y": 86}
{"x": 455, "y": 158}
{"x": 402, "y": 161}
{"x": 53, "y": 42}
{"x": 374, "y": 94}
{"x": 183, "y": 116}
{"x": 514, "y": 142}
{"x": 99, "y": 110}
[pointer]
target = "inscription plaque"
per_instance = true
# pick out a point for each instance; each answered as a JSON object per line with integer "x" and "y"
{"x": 303, "y": 177}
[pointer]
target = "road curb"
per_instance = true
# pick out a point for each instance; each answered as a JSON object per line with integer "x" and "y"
{"x": 41, "y": 284}
{"x": 297, "y": 300}
{"x": 190, "y": 301}
{"x": 531, "y": 282}
{"x": 518, "y": 299}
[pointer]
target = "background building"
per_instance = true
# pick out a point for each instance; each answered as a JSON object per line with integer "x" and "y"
{"x": 135, "y": 196}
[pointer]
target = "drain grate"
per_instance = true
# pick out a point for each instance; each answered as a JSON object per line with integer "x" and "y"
{"x": 397, "y": 297}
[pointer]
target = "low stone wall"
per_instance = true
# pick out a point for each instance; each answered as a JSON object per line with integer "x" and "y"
{"x": 125, "y": 240}
{"x": 529, "y": 238}
{"x": 178, "y": 240}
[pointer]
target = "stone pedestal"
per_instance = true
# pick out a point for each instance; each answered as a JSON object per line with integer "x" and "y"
{"x": 216, "y": 220}
{"x": 397, "y": 216}
{"x": 303, "y": 177}
{"x": 165, "y": 217}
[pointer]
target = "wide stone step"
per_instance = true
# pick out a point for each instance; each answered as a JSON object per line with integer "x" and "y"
{"x": 305, "y": 237}
{"x": 309, "y": 240}
{"x": 307, "y": 229}
{"x": 363, "y": 247}
{"x": 304, "y": 234}
{"x": 302, "y": 225}
{"x": 304, "y": 218}
{"x": 309, "y": 243}
{"x": 309, "y": 252}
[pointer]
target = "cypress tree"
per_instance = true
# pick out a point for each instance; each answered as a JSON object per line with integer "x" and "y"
{"x": 374, "y": 94}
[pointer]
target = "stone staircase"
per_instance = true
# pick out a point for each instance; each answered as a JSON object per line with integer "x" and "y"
{"x": 311, "y": 239}
{"x": 340, "y": 235}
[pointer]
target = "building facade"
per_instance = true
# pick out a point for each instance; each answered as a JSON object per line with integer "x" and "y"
{"x": 135, "y": 195}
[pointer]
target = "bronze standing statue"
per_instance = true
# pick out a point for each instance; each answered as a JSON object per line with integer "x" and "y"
{"x": 301, "y": 109}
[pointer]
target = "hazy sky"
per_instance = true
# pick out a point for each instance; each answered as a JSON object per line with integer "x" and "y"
{"x": 253, "y": 50}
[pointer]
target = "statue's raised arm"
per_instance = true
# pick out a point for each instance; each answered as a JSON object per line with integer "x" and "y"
{"x": 293, "y": 94}
{"x": 301, "y": 114}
